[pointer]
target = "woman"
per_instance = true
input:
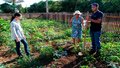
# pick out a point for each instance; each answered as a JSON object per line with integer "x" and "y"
{"x": 76, "y": 23}
{"x": 17, "y": 34}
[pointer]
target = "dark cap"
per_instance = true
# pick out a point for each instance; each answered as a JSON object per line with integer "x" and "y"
{"x": 95, "y": 4}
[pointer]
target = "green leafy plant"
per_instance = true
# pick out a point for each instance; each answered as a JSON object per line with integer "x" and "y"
{"x": 59, "y": 53}
{"x": 89, "y": 59}
{"x": 110, "y": 52}
{"x": 4, "y": 31}
{"x": 84, "y": 66}
{"x": 29, "y": 62}
{"x": 46, "y": 51}
{"x": 68, "y": 32}
{"x": 114, "y": 58}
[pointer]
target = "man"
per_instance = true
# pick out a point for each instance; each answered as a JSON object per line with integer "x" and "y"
{"x": 95, "y": 21}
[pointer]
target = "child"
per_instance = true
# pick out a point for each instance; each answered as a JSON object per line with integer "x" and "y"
{"x": 76, "y": 23}
{"x": 18, "y": 35}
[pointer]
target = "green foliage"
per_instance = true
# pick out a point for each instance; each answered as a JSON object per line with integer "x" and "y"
{"x": 77, "y": 48}
{"x": 4, "y": 25}
{"x": 37, "y": 7}
{"x": 89, "y": 59}
{"x": 108, "y": 8}
{"x": 71, "y": 6}
{"x": 109, "y": 37}
{"x": 4, "y": 32}
{"x": 85, "y": 66}
{"x": 29, "y": 62}
{"x": 59, "y": 53}
{"x": 49, "y": 34}
{"x": 2, "y": 66}
{"x": 21, "y": 9}
{"x": 6, "y": 8}
{"x": 65, "y": 6}
{"x": 114, "y": 58}
{"x": 38, "y": 30}
{"x": 68, "y": 32}
{"x": 110, "y": 52}
{"x": 55, "y": 6}
{"x": 46, "y": 51}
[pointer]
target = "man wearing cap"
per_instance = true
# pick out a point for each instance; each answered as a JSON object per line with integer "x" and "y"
{"x": 95, "y": 21}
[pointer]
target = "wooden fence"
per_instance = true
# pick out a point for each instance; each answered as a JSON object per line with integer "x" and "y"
{"x": 64, "y": 17}
{"x": 111, "y": 22}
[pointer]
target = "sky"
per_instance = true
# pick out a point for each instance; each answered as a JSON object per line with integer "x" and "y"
{"x": 26, "y": 3}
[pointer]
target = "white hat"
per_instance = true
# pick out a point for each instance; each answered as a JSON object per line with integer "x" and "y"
{"x": 77, "y": 12}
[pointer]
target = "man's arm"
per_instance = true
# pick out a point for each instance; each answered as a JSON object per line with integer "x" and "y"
{"x": 96, "y": 21}
{"x": 99, "y": 18}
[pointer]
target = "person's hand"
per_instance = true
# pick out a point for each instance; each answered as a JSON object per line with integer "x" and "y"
{"x": 17, "y": 39}
{"x": 87, "y": 18}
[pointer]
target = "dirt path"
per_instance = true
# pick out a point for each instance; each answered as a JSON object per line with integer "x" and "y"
{"x": 69, "y": 61}
{"x": 10, "y": 59}
{"x": 4, "y": 57}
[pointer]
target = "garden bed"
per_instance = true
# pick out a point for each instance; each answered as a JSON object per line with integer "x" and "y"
{"x": 50, "y": 44}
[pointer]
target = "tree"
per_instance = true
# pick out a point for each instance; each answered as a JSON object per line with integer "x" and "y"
{"x": 6, "y": 8}
{"x": 68, "y": 6}
{"x": 20, "y": 8}
{"x": 55, "y": 6}
{"x": 110, "y": 5}
{"x": 37, "y": 7}
{"x": 72, "y": 5}
{"x": 14, "y": 3}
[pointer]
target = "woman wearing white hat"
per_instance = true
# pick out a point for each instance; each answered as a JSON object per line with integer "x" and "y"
{"x": 76, "y": 23}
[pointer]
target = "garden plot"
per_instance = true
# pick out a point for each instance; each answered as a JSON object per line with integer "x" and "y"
{"x": 47, "y": 40}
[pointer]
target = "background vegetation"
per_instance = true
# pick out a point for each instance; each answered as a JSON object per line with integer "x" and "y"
{"x": 106, "y": 6}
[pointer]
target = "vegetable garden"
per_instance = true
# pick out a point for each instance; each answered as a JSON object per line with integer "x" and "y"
{"x": 47, "y": 41}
